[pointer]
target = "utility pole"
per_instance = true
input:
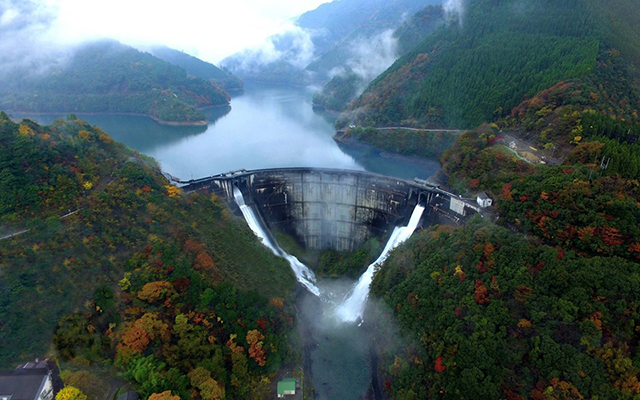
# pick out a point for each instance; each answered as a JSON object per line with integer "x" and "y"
{"x": 594, "y": 165}
{"x": 604, "y": 166}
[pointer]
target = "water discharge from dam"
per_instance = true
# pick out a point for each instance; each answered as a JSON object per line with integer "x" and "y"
{"x": 339, "y": 353}
{"x": 353, "y": 307}
{"x": 303, "y": 274}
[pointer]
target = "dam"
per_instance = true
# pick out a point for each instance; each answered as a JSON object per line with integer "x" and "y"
{"x": 339, "y": 210}
{"x": 333, "y": 208}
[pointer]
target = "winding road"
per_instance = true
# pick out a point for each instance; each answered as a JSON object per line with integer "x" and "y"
{"x": 388, "y": 128}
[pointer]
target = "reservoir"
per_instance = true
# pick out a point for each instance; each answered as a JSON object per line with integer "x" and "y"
{"x": 266, "y": 127}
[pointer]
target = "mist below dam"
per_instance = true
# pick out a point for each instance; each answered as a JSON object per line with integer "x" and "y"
{"x": 331, "y": 314}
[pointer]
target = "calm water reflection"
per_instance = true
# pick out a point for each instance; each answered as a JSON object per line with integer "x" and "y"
{"x": 267, "y": 127}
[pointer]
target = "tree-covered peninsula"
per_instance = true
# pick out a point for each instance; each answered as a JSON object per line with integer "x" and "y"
{"x": 109, "y": 77}
{"x": 199, "y": 68}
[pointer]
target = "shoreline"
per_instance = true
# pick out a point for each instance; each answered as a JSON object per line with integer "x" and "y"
{"x": 385, "y": 154}
{"x": 156, "y": 119}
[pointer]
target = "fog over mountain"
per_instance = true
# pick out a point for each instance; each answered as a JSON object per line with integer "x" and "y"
{"x": 454, "y": 9}
{"x": 208, "y": 30}
{"x": 325, "y": 41}
{"x": 28, "y": 37}
{"x": 367, "y": 57}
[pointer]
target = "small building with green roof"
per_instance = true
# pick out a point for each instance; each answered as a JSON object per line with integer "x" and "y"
{"x": 287, "y": 387}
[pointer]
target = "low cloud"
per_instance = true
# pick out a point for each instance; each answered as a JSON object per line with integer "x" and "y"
{"x": 369, "y": 58}
{"x": 294, "y": 46}
{"x": 28, "y": 37}
{"x": 373, "y": 56}
{"x": 454, "y": 10}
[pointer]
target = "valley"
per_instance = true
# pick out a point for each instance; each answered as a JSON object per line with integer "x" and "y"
{"x": 385, "y": 199}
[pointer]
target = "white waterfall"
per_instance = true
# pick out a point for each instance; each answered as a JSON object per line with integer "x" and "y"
{"x": 352, "y": 307}
{"x": 304, "y": 275}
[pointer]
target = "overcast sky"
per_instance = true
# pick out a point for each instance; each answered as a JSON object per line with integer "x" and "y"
{"x": 210, "y": 29}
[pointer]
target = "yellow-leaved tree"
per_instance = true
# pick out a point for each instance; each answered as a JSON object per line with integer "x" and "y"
{"x": 155, "y": 291}
{"x": 24, "y": 130}
{"x": 209, "y": 388}
{"x": 172, "y": 191}
{"x": 71, "y": 393}
{"x": 256, "y": 350}
{"x": 166, "y": 395}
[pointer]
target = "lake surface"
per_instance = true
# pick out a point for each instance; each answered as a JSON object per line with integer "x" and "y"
{"x": 267, "y": 127}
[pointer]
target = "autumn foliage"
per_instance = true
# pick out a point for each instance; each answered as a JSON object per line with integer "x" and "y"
{"x": 70, "y": 393}
{"x": 128, "y": 295}
{"x": 166, "y": 395}
{"x": 172, "y": 191}
{"x": 134, "y": 340}
{"x": 511, "y": 328}
{"x": 256, "y": 350}
{"x": 439, "y": 366}
{"x": 209, "y": 388}
{"x": 155, "y": 291}
{"x": 480, "y": 293}
{"x": 202, "y": 258}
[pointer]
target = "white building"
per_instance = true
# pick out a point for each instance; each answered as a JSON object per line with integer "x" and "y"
{"x": 484, "y": 200}
{"x": 29, "y": 381}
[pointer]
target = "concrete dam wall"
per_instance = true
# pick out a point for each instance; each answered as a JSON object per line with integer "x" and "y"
{"x": 322, "y": 208}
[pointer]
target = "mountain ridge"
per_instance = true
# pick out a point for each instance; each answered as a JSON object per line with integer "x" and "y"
{"x": 198, "y": 68}
{"x": 321, "y": 40}
{"x": 106, "y": 76}
{"x": 476, "y": 71}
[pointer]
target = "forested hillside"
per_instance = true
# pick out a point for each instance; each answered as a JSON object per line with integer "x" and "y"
{"x": 496, "y": 314}
{"x": 426, "y": 144}
{"x": 544, "y": 304}
{"x": 323, "y": 40}
{"x": 198, "y": 68}
{"x": 171, "y": 289}
{"x": 498, "y": 55}
{"x": 491, "y": 315}
{"x": 110, "y": 77}
{"x": 590, "y": 202}
{"x": 351, "y": 78}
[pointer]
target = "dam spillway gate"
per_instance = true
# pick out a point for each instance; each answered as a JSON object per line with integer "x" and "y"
{"x": 326, "y": 208}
